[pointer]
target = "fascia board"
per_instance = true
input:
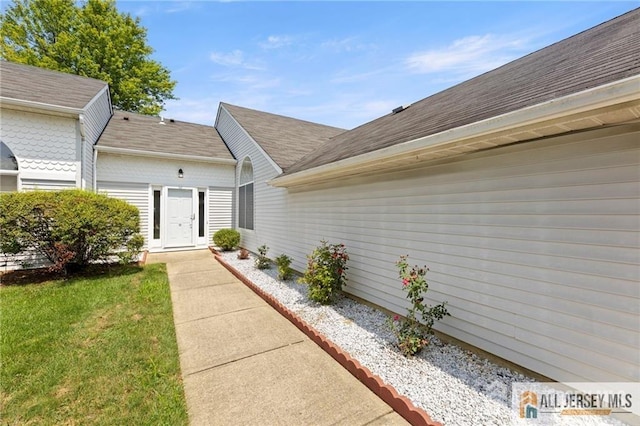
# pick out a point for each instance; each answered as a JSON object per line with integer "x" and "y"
{"x": 21, "y": 103}
{"x": 164, "y": 155}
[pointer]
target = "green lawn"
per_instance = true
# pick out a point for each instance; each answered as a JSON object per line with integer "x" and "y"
{"x": 91, "y": 350}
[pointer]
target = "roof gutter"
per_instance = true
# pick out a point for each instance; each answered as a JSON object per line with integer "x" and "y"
{"x": 168, "y": 155}
{"x": 4, "y": 101}
{"x": 598, "y": 97}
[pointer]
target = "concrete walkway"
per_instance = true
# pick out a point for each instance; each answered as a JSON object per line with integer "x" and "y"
{"x": 243, "y": 363}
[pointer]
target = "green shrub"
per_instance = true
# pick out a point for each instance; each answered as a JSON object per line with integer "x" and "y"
{"x": 326, "y": 272}
{"x": 262, "y": 261}
{"x": 71, "y": 228}
{"x": 226, "y": 238}
{"x": 284, "y": 271}
{"x": 412, "y": 332}
{"x": 134, "y": 246}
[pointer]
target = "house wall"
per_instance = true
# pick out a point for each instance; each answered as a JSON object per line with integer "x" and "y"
{"x": 271, "y": 210}
{"x": 533, "y": 246}
{"x": 45, "y": 146}
{"x": 131, "y": 178}
{"x": 96, "y": 117}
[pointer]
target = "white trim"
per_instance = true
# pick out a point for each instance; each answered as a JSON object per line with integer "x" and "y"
{"x": 599, "y": 97}
{"x": 4, "y": 101}
{"x": 95, "y": 169}
{"x": 149, "y": 154}
{"x": 202, "y": 241}
{"x": 257, "y": 145}
{"x": 79, "y": 151}
{"x": 49, "y": 175}
{"x": 155, "y": 243}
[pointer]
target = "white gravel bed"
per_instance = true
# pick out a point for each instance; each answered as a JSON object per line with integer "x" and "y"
{"x": 455, "y": 386}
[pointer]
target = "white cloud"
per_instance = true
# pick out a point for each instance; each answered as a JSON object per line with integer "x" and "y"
{"x": 140, "y": 12}
{"x": 181, "y": 6}
{"x": 276, "y": 42}
{"x": 228, "y": 59}
{"x": 248, "y": 81}
{"x": 472, "y": 54}
{"x": 347, "y": 44}
{"x": 234, "y": 58}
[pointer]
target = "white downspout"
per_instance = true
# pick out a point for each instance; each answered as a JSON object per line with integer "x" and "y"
{"x": 83, "y": 183}
{"x": 95, "y": 169}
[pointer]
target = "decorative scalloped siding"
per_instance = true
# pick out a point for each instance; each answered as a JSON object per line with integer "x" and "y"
{"x": 41, "y": 143}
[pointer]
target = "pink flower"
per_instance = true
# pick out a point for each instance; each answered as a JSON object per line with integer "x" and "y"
{"x": 396, "y": 318}
{"x": 405, "y": 282}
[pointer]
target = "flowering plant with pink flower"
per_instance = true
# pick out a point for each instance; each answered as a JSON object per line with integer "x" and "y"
{"x": 412, "y": 331}
{"x": 326, "y": 272}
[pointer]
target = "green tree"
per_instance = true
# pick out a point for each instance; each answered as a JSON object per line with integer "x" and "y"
{"x": 91, "y": 39}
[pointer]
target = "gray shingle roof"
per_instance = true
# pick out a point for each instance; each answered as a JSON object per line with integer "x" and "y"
{"x": 606, "y": 53}
{"x": 285, "y": 139}
{"x": 127, "y": 130}
{"x": 28, "y": 83}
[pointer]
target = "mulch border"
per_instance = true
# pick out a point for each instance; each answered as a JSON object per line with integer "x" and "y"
{"x": 400, "y": 404}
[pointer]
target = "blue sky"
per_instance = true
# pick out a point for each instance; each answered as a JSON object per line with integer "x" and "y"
{"x": 343, "y": 63}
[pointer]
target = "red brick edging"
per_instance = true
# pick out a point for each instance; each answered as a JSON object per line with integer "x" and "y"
{"x": 401, "y": 404}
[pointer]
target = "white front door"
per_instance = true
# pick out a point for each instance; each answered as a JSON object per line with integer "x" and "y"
{"x": 179, "y": 217}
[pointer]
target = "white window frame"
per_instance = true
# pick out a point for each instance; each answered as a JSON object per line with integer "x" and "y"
{"x": 242, "y": 204}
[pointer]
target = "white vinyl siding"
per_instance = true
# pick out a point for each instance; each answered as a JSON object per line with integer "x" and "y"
{"x": 143, "y": 173}
{"x": 96, "y": 117}
{"x": 242, "y": 146}
{"x": 155, "y": 171}
{"x": 136, "y": 194}
{"x": 46, "y": 184}
{"x": 220, "y": 209}
{"x": 535, "y": 246}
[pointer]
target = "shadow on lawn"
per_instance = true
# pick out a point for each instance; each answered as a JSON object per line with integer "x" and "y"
{"x": 22, "y": 277}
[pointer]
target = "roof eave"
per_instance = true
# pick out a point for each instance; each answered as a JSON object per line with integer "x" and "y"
{"x": 607, "y": 95}
{"x": 41, "y": 106}
{"x": 165, "y": 155}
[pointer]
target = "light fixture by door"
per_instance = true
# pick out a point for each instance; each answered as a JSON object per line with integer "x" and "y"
{"x": 180, "y": 173}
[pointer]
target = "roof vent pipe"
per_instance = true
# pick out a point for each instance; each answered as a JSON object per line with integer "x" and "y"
{"x": 397, "y": 110}
{"x": 162, "y": 120}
